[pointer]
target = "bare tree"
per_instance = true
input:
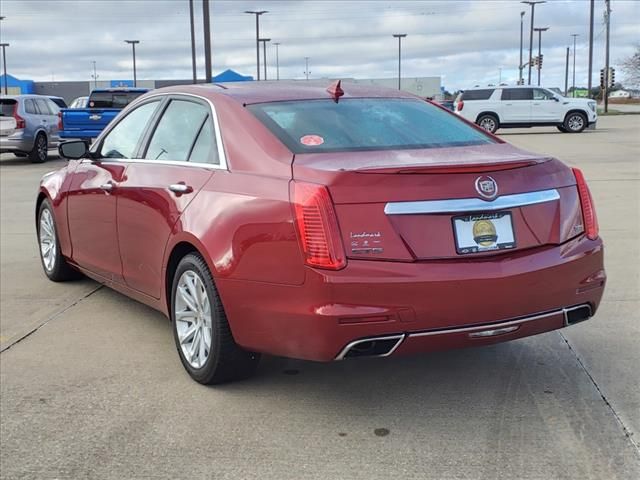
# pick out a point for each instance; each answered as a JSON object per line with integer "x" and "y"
{"x": 631, "y": 68}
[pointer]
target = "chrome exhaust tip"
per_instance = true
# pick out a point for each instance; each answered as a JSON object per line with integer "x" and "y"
{"x": 579, "y": 313}
{"x": 372, "y": 347}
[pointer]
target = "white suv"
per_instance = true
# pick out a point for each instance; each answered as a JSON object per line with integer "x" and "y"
{"x": 525, "y": 106}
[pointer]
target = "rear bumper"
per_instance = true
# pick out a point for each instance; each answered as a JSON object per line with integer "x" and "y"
{"x": 9, "y": 144}
{"x": 318, "y": 319}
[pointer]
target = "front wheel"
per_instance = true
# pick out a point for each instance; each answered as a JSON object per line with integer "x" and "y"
{"x": 201, "y": 331}
{"x": 575, "y": 122}
{"x": 54, "y": 264}
{"x": 561, "y": 128}
{"x": 488, "y": 122}
{"x": 40, "y": 149}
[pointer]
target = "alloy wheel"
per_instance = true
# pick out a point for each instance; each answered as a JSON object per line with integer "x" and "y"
{"x": 47, "y": 235}
{"x": 192, "y": 314}
{"x": 575, "y": 122}
{"x": 41, "y": 146}
{"x": 488, "y": 124}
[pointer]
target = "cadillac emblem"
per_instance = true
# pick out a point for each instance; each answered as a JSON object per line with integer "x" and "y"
{"x": 486, "y": 187}
{"x": 484, "y": 233}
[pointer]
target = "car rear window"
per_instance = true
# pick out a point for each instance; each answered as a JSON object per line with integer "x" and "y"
{"x": 112, "y": 99}
{"x": 6, "y": 107}
{"x": 483, "y": 94}
{"x": 357, "y": 124}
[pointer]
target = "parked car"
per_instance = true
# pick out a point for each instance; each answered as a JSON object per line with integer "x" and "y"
{"x": 525, "y": 106}
{"x": 33, "y": 129}
{"x": 59, "y": 101}
{"x": 102, "y": 106}
{"x": 80, "y": 102}
{"x": 321, "y": 224}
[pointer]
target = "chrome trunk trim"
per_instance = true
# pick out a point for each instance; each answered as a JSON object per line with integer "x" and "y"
{"x": 458, "y": 205}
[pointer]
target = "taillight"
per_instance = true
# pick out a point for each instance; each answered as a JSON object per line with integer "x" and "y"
{"x": 60, "y": 127}
{"x": 588, "y": 210}
{"x": 460, "y": 106}
{"x": 317, "y": 226}
{"x": 20, "y": 123}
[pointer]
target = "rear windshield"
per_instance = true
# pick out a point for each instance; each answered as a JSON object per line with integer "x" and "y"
{"x": 357, "y": 124}
{"x": 6, "y": 107}
{"x": 484, "y": 94}
{"x": 112, "y": 99}
{"x": 59, "y": 102}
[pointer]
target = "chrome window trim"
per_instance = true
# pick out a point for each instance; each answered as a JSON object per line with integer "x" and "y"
{"x": 457, "y": 205}
{"x": 222, "y": 156}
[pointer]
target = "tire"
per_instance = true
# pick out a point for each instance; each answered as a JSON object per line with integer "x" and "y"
{"x": 575, "y": 122}
{"x": 561, "y": 128}
{"x": 20, "y": 154}
{"x": 197, "y": 313}
{"x": 55, "y": 266}
{"x": 488, "y": 122}
{"x": 40, "y": 151}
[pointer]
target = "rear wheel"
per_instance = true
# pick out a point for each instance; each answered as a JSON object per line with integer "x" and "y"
{"x": 488, "y": 122}
{"x": 40, "y": 149}
{"x": 575, "y": 122}
{"x": 201, "y": 330}
{"x": 54, "y": 264}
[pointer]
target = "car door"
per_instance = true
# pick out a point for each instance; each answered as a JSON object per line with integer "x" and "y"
{"x": 93, "y": 193}
{"x": 545, "y": 107}
{"x": 45, "y": 116}
{"x": 516, "y": 105}
{"x": 180, "y": 156}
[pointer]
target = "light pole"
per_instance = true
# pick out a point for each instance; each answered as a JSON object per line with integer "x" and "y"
{"x": 133, "y": 44}
{"x": 193, "y": 43}
{"x": 591, "y": 7}
{"x": 95, "y": 75}
{"x": 399, "y": 36}
{"x": 206, "y": 26}
{"x": 533, "y": 9}
{"x": 306, "y": 68}
{"x": 277, "y": 44}
{"x": 521, "y": 66}
{"x": 540, "y": 30}
{"x": 257, "y": 14}
{"x": 4, "y": 66}
{"x": 573, "y": 83}
{"x": 264, "y": 55}
{"x": 566, "y": 75}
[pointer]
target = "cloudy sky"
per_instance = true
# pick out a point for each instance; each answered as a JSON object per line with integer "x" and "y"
{"x": 464, "y": 42}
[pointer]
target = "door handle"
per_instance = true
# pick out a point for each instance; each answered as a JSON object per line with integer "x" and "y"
{"x": 180, "y": 188}
{"x": 107, "y": 187}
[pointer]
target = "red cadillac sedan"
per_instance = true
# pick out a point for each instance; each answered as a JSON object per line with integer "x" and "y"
{"x": 322, "y": 224}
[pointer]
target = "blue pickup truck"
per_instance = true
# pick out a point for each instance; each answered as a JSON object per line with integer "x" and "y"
{"x": 102, "y": 107}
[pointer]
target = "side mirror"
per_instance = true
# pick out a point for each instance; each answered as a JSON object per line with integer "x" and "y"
{"x": 74, "y": 149}
{"x": 556, "y": 99}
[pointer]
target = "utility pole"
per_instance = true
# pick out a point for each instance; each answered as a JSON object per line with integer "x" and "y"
{"x": 566, "y": 75}
{"x": 95, "y": 76}
{"x": 264, "y": 55}
{"x": 277, "y": 44}
{"x": 591, "y": 45}
{"x": 520, "y": 65}
{"x": 306, "y": 68}
{"x": 257, "y": 14}
{"x": 532, "y": 3}
{"x": 193, "y": 43}
{"x": 133, "y": 44}
{"x": 573, "y": 83}
{"x": 206, "y": 21}
{"x": 540, "y": 30}
{"x": 399, "y": 36}
{"x": 605, "y": 92}
{"x": 4, "y": 66}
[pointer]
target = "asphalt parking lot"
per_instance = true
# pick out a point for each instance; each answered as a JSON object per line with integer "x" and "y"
{"x": 91, "y": 385}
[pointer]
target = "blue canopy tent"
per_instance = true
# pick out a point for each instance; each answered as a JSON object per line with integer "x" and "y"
{"x": 231, "y": 76}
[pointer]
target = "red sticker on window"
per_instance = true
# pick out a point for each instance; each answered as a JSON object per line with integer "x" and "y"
{"x": 311, "y": 140}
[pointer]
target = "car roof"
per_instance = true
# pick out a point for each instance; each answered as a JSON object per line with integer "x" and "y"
{"x": 120, "y": 89}
{"x": 279, "y": 91}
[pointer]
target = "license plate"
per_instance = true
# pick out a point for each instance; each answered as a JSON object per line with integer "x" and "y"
{"x": 481, "y": 232}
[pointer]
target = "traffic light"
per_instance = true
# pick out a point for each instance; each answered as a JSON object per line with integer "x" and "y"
{"x": 612, "y": 77}
{"x": 602, "y": 78}
{"x": 540, "y": 58}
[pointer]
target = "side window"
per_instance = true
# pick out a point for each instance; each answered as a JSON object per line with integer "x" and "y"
{"x": 205, "y": 149}
{"x": 517, "y": 94}
{"x": 122, "y": 140}
{"x": 483, "y": 94}
{"x": 43, "y": 107}
{"x": 177, "y": 131}
{"x": 53, "y": 107}
{"x": 30, "y": 106}
{"x": 540, "y": 94}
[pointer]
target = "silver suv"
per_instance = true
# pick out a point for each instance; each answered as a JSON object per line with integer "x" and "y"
{"x": 28, "y": 126}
